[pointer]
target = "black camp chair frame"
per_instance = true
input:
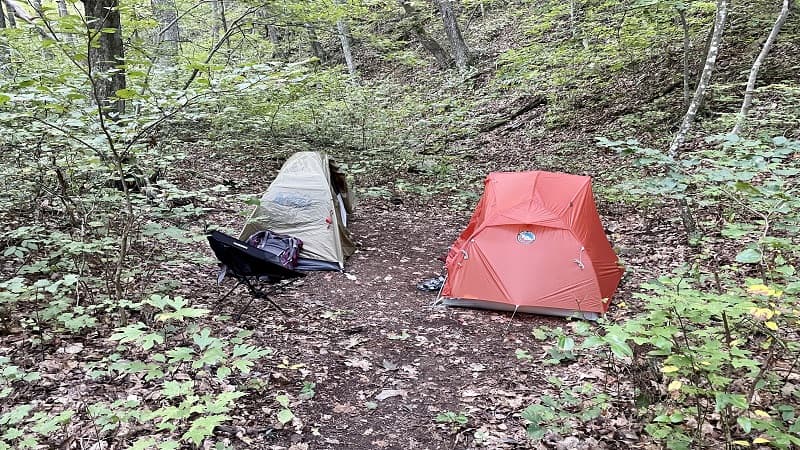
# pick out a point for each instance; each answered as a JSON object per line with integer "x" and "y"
{"x": 255, "y": 293}
{"x": 249, "y": 265}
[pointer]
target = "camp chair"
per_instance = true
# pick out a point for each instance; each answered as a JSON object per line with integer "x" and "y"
{"x": 249, "y": 265}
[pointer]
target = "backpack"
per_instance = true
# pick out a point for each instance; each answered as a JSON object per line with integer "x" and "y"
{"x": 285, "y": 248}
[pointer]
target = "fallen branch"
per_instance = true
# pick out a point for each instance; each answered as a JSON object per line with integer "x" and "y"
{"x": 532, "y": 103}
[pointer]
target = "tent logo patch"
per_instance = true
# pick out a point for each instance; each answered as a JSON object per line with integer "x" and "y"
{"x": 526, "y": 237}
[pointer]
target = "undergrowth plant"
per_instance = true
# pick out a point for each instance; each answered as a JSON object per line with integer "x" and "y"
{"x": 557, "y": 415}
{"x": 719, "y": 339}
{"x": 712, "y": 359}
{"x": 725, "y": 363}
{"x": 95, "y": 227}
{"x": 188, "y": 369}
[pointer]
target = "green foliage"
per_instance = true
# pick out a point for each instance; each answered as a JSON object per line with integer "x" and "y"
{"x": 97, "y": 216}
{"x": 181, "y": 410}
{"x": 573, "y": 48}
{"x": 454, "y": 419}
{"x": 717, "y": 354}
{"x": 745, "y": 189}
{"x": 557, "y": 415}
{"x": 564, "y": 348}
{"x": 717, "y": 349}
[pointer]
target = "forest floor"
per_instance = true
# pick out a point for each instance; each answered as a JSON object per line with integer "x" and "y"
{"x": 385, "y": 362}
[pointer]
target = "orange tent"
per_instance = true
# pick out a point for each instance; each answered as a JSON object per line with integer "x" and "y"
{"x": 534, "y": 244}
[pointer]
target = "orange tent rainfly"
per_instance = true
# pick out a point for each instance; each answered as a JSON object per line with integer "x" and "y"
{"x": 534, "y": 244}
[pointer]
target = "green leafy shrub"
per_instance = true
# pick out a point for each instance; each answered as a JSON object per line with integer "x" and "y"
{"x": 719, "y": 358}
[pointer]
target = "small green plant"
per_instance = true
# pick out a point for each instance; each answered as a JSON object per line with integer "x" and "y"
{"x": 285, "y": 414}
{"x": 564, "y": 348}
{"x": 558, "y": 414}
{"x": 456, "y": 420}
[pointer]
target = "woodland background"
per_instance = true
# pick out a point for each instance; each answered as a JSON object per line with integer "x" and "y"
{"x": 128, "y": 130}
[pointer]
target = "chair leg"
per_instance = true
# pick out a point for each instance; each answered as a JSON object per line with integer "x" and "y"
{"x": 241, "y": 311}
{"x": 219, "y": 302}
{"x": 276, "y": 306}
{"x": 254, "y": 294}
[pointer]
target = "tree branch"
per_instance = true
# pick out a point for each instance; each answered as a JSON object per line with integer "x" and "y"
{"x": 234, "y": 26}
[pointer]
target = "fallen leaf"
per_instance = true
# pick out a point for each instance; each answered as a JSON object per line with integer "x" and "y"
{"x": 344, "y": 408}
{"x": 362, "y": 364}
{"x": 475, "y": 367}
{"x": 74, "y": 348}
{"x": 469, "y": 393}
{"x": 389, "y": 393}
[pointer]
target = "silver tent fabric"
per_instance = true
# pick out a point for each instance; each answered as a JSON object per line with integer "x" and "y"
{"x": 303, "y": 202}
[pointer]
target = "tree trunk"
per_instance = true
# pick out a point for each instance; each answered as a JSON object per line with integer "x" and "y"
{"x": 430, "y": 44}
{"x": 275, "y": 38}
{"x": 106, "y": 53}
{"x": 316, "y": 48}
{"x": 12, "y": 21}
{"x": 273, "y": 33}
{"x": 4, "y": 50}
{"x": 751, "y": 80}
{"x": 572, "y": 10}
{"x": 62, "y": 12}
{"x": 344, "y": 36}
{"x": 220, "y": 22}
{"x": 168, "y": 36}
{"x": 686, "y": 89}
{"x": 62, "y": 8}
{"x": 711, "y": 60}
{"x": 460, "y": 51}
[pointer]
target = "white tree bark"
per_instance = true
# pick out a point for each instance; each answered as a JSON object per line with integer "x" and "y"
{"x": 4, "y": 50}
{"x": 10, "y": 13}
{"x": 62, "y": 8}
{"x": 14, "y": 11}
{"x": 344, "y": 36}
{"x": 2, "y": 17}
{"x": 751, "y": 80}
{"x": 711, "y": 59}
{"x": 62, "y": 12}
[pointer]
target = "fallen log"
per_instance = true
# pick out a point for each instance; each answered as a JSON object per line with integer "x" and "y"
{"x": 530, "y": 104}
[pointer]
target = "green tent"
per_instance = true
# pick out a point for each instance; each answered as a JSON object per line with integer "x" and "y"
{"x": 309, "y": 200}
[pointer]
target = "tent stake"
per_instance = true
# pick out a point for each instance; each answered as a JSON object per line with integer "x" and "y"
{"x": 516, "y": 307}
{"x": 439, "y": 294}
